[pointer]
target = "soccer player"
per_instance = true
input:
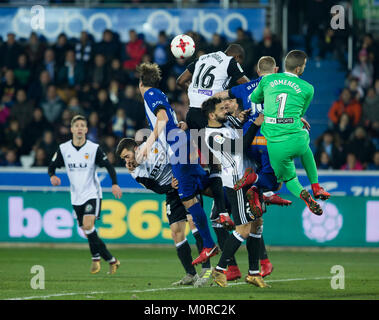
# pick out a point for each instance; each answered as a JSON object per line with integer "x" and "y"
{"x": 209, "y": 74}
{"x": 227, "y": 143}
{"x": 286, "y": 98}
{"x": 81, "y": 158}
{"x": 164, "y": 126}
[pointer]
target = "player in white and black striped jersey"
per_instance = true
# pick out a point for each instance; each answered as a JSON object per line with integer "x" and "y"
{"x": 81, "y": 157}
{"x": 224, "y": 137}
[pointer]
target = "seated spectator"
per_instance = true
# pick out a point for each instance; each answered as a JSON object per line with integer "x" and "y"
{"x": 325, "y": 162}
{"x": 11, "y": 159}
{"x": 269, "y": 46}
{"x": 161, "y": 51}
{"x": 114, "y": 92}
{"x": 63, "y": 129}
{"x": 352, "y": 163}
{"x": 48, "y": 144}
{"x": 109, "y": 46}
{"x": 33, "y": 131}
{"x": 374, "y": 165}
{"x": 22, "y": 72}
{"x": 356, "y": 91}
{"x": 361, "y": 146}
{"x": 117, "y": 73}
{"x": 13, "y": 135}
{"x": 9, "y": 87}
{"x": 173, "y": 91}
{"x": 98, "y": 74}
{"x": 4, "y": 111}
{"x": 94, "y": 132}
{"x": 345, "y": 105}
{"x": 83, "y": 49}
{"x": 40, "y": 159}
{"x": 74, "y": 106}
{"x": 343, "y": 128}
{"x": 38, "y": 89}
{"x": 134, "y": 108}
{"x": 370, "y": 108}
{"x": 364, "y": 70}
{"x": 60, "y": 48}
{"x": 87, "y": 98}
{"x": 71, "y": 74}
{"x": 49, "y": 64}
{"x": 52, "y": 105}
{"x": 10, "y": 51}
{"x": 108, "y": 144}
{"x": 134, "y": 51}
{"x": 22, "y": 109}
{"x": 35, "y": 50}
{"x": 218, "y": 43}
{"x": 118, "y": 123}
{"x": 104, "y": 107}
{"x": 326, "y": 143}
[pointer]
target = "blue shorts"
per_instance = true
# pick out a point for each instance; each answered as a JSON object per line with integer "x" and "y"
{"x": 192, "y": 179}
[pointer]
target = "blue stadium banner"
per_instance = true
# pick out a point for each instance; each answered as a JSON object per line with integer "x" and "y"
{"x": 339, "y": 183}
{"x": 50, "y": 22}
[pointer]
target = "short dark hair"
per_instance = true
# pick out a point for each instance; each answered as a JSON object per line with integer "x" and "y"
{"x": 77, "y": 118}
{"x": 149, "y": 74}
{"x": 125, "y": 143}
{"x": 294, "y": 59}
{"x": 266, "y": 64}
{"x": 209, "y": 106}
{"x": 235, "y": 50}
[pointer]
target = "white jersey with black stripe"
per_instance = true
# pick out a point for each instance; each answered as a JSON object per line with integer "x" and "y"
{"x": 81, "y": 170}
{"x": 226, "y": 144}
{"x": 156, "y": 167}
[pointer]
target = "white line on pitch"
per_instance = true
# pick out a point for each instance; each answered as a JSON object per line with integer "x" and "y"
{"x": 152, "y": 290}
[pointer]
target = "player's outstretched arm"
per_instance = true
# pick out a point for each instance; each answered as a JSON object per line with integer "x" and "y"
{"x": 184, "y": 80}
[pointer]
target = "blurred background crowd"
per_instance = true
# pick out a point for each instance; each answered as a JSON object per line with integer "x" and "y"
{"x": 42, "y": 85}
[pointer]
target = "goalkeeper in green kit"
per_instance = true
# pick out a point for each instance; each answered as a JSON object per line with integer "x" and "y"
{"x": 286, "y": 99}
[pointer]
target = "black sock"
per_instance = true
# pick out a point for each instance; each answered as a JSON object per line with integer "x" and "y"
{"x": 183, "y": 250}
{"x": 93, "y": 248}
{"x": 253, "y": 243}
{"x": 231, "y": 246}
{"x": 200, "y": 246}
{"x": 263, "y": 253}
{"x": 102, "y": 249}
{"x": 218, "y": 194}
{"x": 222, "y": 235}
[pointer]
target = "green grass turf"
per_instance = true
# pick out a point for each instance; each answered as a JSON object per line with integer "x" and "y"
{"x": 147, "y": 273}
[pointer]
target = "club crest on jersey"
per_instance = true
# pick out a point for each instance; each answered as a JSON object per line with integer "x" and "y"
{"x": 86, "y": 156}
{"x": 219, "y": 139}
{"x": 88, "y": 208}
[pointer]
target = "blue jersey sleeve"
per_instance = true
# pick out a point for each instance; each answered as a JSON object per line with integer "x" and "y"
{"x": 156, "y": 100}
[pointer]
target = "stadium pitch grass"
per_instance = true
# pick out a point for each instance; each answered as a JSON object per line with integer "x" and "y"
{"x": 147, "y": 274}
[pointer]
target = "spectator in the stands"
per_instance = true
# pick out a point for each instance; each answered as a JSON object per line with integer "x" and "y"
{"x": 38, "y": 89}
{"x": 374, "y": 165}
{"x": 13, "y": 135}
{"x": 361, "y": 146}
{"x": 71, "y": 74}
{"x": 9, "y": 52}
{"x": 63, "y": 128}
{"x": 74, "y": 106}
{"x": 161, "y": 51}
{"x": 35, "y": 50}
{"x": 250, "y": 48}
{"x": 108, "y": 143}
{"x": 109, "y": 46}
{"x": 218, "y": 43}
{"x": 22, "y": 108}
{"x": 60, "y": 48}
{"x": 344, "y": 128}
{"x": 325, "y": 163}
{"x": 34, "y": 130}
{"x": 83, "y": 49}
{"x": 116, "y": 72}
{"x": 134, "y": 51}
{"x": 364, "y": 70}
{"x": 94, "y": 131}
{"x": 173, "y": 91}
{"x": 356, "y": 91}
{"x": 52, "y": 105}
{"x": 352, "y": 163}
{"x": 345, "y": 105}
{"x": 49, "y": 64}
{"x": 98, "y": 74}
{"x": 8, "y": 87}
{"x": 22, "y": 72}
{"x": 48, "y": 144}
{"x": 11, "y": 159}
{"x": 134, "y": 109}
{"x": 328, "y": 144}
{"x": 370, "y": 108}
{"x": 270, "y": 46}
{"x": 40, "y": 159}
{"x": 114, "y": 92}
{"x": 104, "y": 108}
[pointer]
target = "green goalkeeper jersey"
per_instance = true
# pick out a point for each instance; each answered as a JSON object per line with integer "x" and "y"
{"x": 286, "y": 98}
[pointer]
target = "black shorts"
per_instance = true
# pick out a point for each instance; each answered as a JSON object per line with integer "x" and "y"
{"x": 239, "y": 206}
{"x": 195, "y": 119}
{"x": 175, "y": 209}
{"x": 91, "y": 207}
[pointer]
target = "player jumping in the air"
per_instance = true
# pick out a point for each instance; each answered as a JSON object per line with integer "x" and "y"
{"x": 164, "y": 126}
{"x": 286, "y": 98}
{"x": 81, "y": 157}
